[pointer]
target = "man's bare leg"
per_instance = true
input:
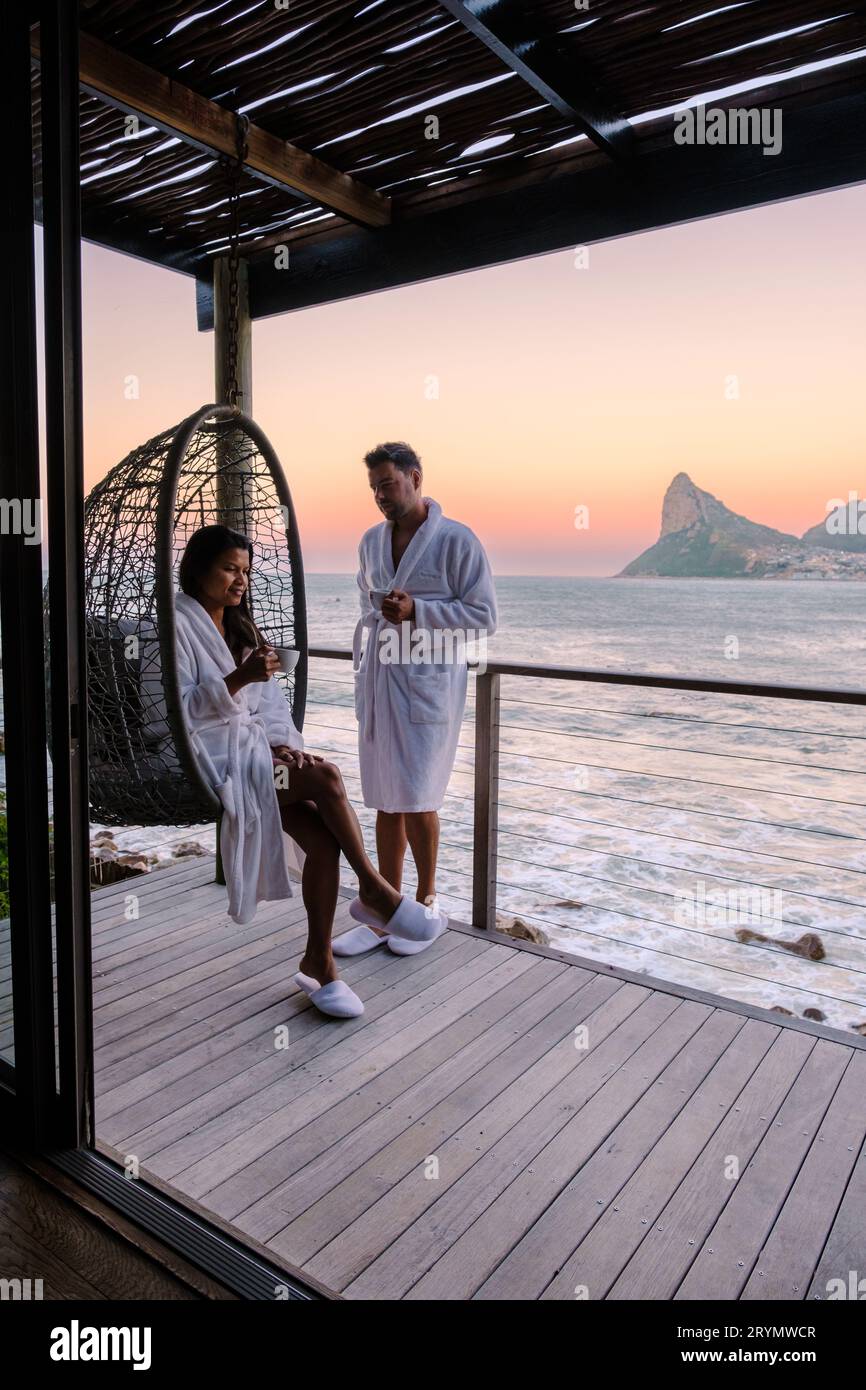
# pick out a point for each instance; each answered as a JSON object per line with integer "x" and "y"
{"x": 422, "y": 832}
{"x": 391, "y": 845}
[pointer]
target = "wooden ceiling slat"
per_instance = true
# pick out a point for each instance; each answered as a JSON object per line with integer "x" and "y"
{"x": 647, "y": 65}
{"x": 552, "y": 65}
{"x": 639, "y": 65}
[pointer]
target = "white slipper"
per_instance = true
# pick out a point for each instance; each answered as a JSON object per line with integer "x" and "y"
{"x": 365, "y": 915}
{"x": 413, "y": 921}
{"x": 401, "y": 947}
{"x": 334, "y": 998}
{"x": 356, "y": 942}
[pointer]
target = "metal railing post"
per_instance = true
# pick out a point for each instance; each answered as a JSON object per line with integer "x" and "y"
{"x": 485, "y": 833}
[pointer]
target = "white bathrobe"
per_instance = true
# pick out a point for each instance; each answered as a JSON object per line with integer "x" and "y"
{"x": 409, "y": 713}
{"x": 232, "y": 736}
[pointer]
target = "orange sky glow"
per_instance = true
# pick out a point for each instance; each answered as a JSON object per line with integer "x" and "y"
{"x": 533, "y": 388}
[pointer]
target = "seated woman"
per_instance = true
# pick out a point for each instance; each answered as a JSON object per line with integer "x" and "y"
{"x": 249, "y": 750}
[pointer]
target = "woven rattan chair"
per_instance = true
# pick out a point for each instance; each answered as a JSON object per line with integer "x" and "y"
{"x": 215, "y": 466}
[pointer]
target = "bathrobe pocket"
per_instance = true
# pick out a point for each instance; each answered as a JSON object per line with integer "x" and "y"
{"x": 429, "y": 695}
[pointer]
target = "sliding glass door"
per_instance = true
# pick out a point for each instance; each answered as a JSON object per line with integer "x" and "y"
{"x": 44, "y": 906}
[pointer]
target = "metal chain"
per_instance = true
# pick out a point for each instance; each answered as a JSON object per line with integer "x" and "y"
{"x": 235, "y": 169}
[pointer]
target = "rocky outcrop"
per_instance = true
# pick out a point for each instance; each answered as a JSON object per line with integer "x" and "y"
{"x": 843, "y": 528}
{"x": 702, "y": 538}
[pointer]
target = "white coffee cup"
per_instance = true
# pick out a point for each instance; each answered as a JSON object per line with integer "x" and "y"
{"x": 288, "y": 658}
{"x": 377, "y": 597}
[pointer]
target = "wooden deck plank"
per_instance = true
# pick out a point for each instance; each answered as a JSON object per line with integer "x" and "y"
{"x": 250, "y": 1043}
{"x": 194, "y": 1023}
{"x": 195, "y": 1106}
{"x": 661, "y": 1262}
{"x": 790, "y": 1254}
{"x": 841, "y": 1272}
{"x": 203, "y": 1105}
{"x": 191, "y": 918}
{"x": 247, "y": 1066}
{"x": 333, "y": 1145}
{"x": 386, "y": 1067}
{"x": 167, "y": 996}
{"x": 116, "y": 992}
{"x": 558, "y": 1169}
{"x": 234, "y": 1178}
{"x": 322, "y": 1221}
{"x": 542, "y": 1258}
{"x": 520, "y": 1175}
{"x": 155, "y": 881}
{"x": 115, "y": 1012}
{"x": 729, "y": 1250}
{"x": 571, "y": 1181}
{"x": 618, "y": 1026}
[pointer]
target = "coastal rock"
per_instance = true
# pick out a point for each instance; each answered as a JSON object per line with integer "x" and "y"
{"x": 809, "y": 945}
{"x": 108, "y": 864}
{"x": 525, "y": 931}
{"x": 187, "y": 849}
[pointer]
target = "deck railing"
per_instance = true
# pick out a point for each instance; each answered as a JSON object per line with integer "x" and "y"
{"x": 488, "y": 747}
{"x": 728, "y": 801}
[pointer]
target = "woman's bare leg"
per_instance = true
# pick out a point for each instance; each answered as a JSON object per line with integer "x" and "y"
{"x": 322, "y": 784}
{"x": 320, "y": 885}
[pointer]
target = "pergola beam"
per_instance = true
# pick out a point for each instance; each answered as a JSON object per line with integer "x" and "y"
{"x": 548, "y": 63}
{"x": 112, "y": 76}
{"x": 823, "y": 150}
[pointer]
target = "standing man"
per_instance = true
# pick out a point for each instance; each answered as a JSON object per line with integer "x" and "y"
{"x": 426, "y": 590}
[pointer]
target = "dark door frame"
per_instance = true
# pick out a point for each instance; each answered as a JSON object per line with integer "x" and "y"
{"x": 28, "y": 1093}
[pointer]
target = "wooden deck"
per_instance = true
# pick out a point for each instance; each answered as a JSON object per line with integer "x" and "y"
{"x": 502, "y": 1122}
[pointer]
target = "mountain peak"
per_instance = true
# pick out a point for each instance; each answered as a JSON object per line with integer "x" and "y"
{"x": 686, "y": 505}
{"x": 701, "y": 536}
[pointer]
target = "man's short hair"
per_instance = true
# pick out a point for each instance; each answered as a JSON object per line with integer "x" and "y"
{"x": 401, "y": 455}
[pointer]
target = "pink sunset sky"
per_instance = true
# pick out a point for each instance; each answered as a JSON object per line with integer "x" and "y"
{"x": 558, "y": 387}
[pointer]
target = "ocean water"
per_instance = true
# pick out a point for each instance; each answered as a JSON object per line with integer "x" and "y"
{"x": 792, "y": 632}
{"x": 652, "y": 829}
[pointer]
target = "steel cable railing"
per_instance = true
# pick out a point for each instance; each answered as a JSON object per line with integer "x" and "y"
{"x": 644, "y": 836}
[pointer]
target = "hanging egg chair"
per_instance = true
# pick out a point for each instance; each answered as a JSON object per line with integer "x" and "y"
{"x": 214, "y": 467}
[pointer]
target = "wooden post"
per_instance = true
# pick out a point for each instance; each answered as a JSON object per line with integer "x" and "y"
{"x": 234, "y": 448}
{"x": 486, "y": 800}
{"x": 233, "y": 451}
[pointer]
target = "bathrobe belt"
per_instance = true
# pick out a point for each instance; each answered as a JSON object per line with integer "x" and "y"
{"x": 373, "y": 621}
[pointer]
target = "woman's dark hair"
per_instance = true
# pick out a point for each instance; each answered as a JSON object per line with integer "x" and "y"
{"x": 203, "y": 549}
